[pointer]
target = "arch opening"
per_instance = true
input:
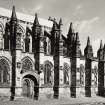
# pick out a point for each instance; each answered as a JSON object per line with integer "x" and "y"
{"x": 29, "y": 84}
{"x": 48, "y": 78}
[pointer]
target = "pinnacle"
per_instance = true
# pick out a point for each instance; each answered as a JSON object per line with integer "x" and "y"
{"x": 14, "y": 17}
{"x": 71, "y": 30}
{"x": 60, "y": 21}
{"x": 77, "y": 36}
{"x": 88, "y": 41}
{"x": 101, "y": 45}
{"x": 36, "y": 22}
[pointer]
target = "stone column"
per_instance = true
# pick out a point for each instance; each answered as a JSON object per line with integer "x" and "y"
{"x": 56, "y": 76}
{"x": 88, "y": 52}
{"x": 101, "y": 78}
{"x": 56, "y": 68}
{"x": 100, "y": 55}
{"x": 73, "y": 77}
{"x": 36, "y": 32}
{"x": 87, "y": 77}
{"x": 73, "y": 67}
{"x": 56, "y": 59}
{"x": 13, "y": 33}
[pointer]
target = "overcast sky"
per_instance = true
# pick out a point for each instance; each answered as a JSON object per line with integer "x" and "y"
{"x": 88, "y": 16}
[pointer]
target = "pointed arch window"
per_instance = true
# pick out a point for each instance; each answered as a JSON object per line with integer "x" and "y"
{"x": 66, "y": 69}
{"x": 27, "y": 44}
{"x": 19, "y": 36}
{"x": 47, "y": 46}
{"x": 4, "y": 72}
{"x": 28, "y": 40}
{"x": 82, "y": 71}
{"x": 27, "y": 65}
{"x": 48, "y": 73}
{"x": 95, "y": 75}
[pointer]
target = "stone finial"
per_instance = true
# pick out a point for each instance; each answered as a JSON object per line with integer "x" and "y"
{"x": 13, "y": 17}
{"x": 71, "y": 30}
{"x": 36, "y": 21}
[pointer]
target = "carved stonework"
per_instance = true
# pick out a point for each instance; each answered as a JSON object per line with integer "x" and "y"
{"x": 27, "y": 65}
{"x": 18, "y": 41}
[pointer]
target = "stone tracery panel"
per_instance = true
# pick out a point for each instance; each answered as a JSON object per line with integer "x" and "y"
{"x": 27, "y": 64}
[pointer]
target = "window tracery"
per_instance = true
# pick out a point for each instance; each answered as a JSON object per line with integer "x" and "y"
{"x": 48, "y": 79}
{"x": 66, "y": 69}
{"x": 19, "y": 36}
{"x": 4, "y": 72}
{"x": 27, "y": 65}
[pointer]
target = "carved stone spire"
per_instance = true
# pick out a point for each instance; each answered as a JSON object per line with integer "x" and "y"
{"x": 100, "y": 53}
{"x": 13, "y": 16}
{"x": 55, "y": 27}
{"x": 71, "y": 30}
{"x": 60, "y": 23}
{"x": 101, "y": 45}
{"x": 36, "y": 21}
{"x": 88, "y": 41}
{"x": 36, "y": 29}
{"x": 78, "y": 50}
{"x": 13, "y": 29}
{"x": 88, "y": 50}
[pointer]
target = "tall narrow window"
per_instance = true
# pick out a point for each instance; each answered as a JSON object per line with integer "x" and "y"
{"x": 95, "y": 75}
{"x": 47, "y": 73}
{"x": 66, "y": 69}
{"x": 27, "y": 43}
{"x": 82, "y": 69}
{"x": 4, "y": 72}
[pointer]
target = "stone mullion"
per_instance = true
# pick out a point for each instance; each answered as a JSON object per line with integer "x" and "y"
{"x": 101, "y": 78}
{"x": 88, "y": 77}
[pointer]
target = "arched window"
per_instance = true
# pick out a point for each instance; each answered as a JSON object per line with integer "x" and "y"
{"x": 27, "y": 44}
{"x": 20, "y": 34}
{"x": 48, "y": 73}
{"x": 82, "y": 71}
{"x": 95, "y": 75}
{"x": 27, "y": 65}
{"x": 27, "y": 40}
{"x": 47, "y": 46}
{"x": 66, "y": 69}
{"x": 4, "y": 72}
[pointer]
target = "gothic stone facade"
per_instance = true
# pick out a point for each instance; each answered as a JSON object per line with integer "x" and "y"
{"x": 37, "y": 59}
